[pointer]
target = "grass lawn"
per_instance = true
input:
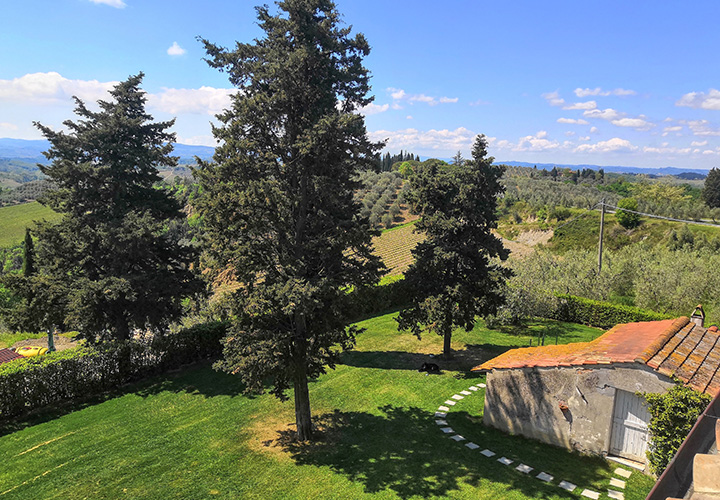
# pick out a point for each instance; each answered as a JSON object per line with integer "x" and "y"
{"x": 15, "y": 218}
{"x": 194, "y": 435}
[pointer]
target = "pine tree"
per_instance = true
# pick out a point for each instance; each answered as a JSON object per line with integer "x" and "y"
{"x": 454, "y": 278}
{"x": 278, "y": 197}
{"x": 108, "y": 266}
{"x": 28, "y": 268}
{"x": 711, "y": 190}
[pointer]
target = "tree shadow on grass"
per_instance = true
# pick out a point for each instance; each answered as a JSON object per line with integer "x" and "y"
{"x": 402, "y": 450}
{"x": 461, "y": 360}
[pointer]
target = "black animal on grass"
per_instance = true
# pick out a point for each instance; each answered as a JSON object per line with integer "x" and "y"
{"x": 429, "y": 368}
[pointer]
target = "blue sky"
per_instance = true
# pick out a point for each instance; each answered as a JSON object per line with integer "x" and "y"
{"x": 605, "y": 83}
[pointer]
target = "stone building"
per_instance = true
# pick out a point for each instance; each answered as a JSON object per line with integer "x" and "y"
{"x": 583, "y": 396}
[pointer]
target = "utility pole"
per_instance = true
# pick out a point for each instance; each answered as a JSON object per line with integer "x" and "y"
{"x": 602, "y": 224}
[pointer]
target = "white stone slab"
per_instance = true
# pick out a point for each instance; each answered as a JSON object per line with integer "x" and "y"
{"x": 450, "y": 402}
{"x": 622, "y": 472}
{"x": 457, "y": 396}
{"x": 457, "y": 437}
{"x": 465, "y": 393}
{"x": 488, "y": 453}
{"x": 617, "y": 483}
{"x": 472, "y": 388}
{"x": 472, "y": 446}
{"x": 440, "y": 414}
{"x": 447, "y": 430}
{"x": 591, "y": 494}
{"x": 525, "y": 469}
{"x": 443, "y": 408}
{"x": 505, "y": 461}
{"x": 543, "y": 476}
{"x": 482, "y": 386}
{"x": 441, "y": 422}
{"x": 616, "y": 495}
{"x": 567, "y": 485}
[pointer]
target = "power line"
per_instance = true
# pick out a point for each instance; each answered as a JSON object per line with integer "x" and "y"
{"x": 699, "y": 223}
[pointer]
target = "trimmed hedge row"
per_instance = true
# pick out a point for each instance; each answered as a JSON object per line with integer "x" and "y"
{"x": 370, "y": 300}
{"x": 600, "y": 314}
{"x": 34, "y": 383}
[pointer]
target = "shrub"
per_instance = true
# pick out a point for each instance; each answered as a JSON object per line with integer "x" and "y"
{"x": 33, "y": 383}
{"x": 600, "y": 314}
{"x": 672, "y": 415}
{"x": 628, "y": 220}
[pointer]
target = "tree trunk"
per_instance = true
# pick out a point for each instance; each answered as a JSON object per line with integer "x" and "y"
{"x": 302, "y": 406}
{"x": 447, "y": 351}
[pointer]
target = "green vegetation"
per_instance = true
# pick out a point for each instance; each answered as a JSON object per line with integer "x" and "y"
{"x": 194, "y": 436}
{"x": 672, "y": 415}
{"x": 16, "y": 218}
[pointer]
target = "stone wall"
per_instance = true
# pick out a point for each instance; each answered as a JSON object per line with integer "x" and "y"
{"x": 527, "y": 401}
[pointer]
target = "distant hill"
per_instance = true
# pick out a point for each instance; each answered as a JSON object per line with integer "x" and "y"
{"x": 700, "y": 173}
{"x": 31, "y": 151}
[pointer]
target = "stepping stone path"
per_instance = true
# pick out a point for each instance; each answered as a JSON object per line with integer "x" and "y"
{"x": 567, "y": 486}
{"x": 442, "y": 412}
{"x": 617, "y": 483}
{"x": 622, "y": 472}
{"x": 544, "y": 477}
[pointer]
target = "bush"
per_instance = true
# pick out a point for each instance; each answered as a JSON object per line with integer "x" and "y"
{"x": 369, "y": 300}
{"x": 33, "y": 383}
{"x": 628, "y": 220}
{"x": 600, "y": 314}
{"x": 672, "y": 415}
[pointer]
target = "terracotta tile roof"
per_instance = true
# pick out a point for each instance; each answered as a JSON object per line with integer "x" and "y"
{"x": 8, "y": 355}
{"x": 676, "y": 348}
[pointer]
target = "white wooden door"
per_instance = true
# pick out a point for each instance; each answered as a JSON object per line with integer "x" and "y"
{"x": 630, "y": 422}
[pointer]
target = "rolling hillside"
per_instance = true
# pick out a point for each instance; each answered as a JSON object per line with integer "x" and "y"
{"x": 14, "y": 219}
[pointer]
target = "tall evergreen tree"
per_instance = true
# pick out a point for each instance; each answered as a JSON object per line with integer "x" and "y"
{"x": 108, "y": 266}
{"x": 711, "y": 189}
{"x": 28, "y": 268}
{"x": 278, "y": 197}
{"x": 454, "y": 277}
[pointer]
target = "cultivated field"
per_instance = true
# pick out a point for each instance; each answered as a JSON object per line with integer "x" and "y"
{"x": 15, "y": 218}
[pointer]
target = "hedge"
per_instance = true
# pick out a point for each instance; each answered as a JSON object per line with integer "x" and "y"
{"x": 370, "y": 300}
{"x": 34, "y": 383}
{"x": 600, "y": 314}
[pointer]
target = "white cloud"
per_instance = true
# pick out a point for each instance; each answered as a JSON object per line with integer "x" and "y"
{"x": 536, "y": 143}
{"x": 701, "y": 100}
{"x": 572, "y": 121}
{"x": 409, "y": 117}
{"x": 175, "y": 50}
{"x": 708, "y": 152}
{"x": 447, "y": 141}
{"x": 665, "y": 150}
{"x": 400, "y": 95}
{"x": 51, "y": 87}
{"x": 593, "y": 130}
{"x": 554, "y": 99}
{"x": 479, "y": 102}
{"x": 597, "y": 91}
{"x": 701, "y": 128}
{"x": 614, "y": 144}
{"x": 396, "y": 106}
{"x": 205, "y": 100}
{"x": 636, "y": 123}
{"x": 198, "y": 140}
{"x": 674, "y": 128}
{"x": 581, "y": 105}
{"x": 8, "y": 126}
{"x": 698, "y": 144}
{"x": 373, "y": 109}
{"x": 605, "y": 114}
{"x": 118, "y": 4}
{"x": 569, "y": 133}
{"x": 585, "y": 138}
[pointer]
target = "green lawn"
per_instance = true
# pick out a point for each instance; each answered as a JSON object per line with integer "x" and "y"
{"x": 14, "y": 219}
{"x": 194, "y": 435}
